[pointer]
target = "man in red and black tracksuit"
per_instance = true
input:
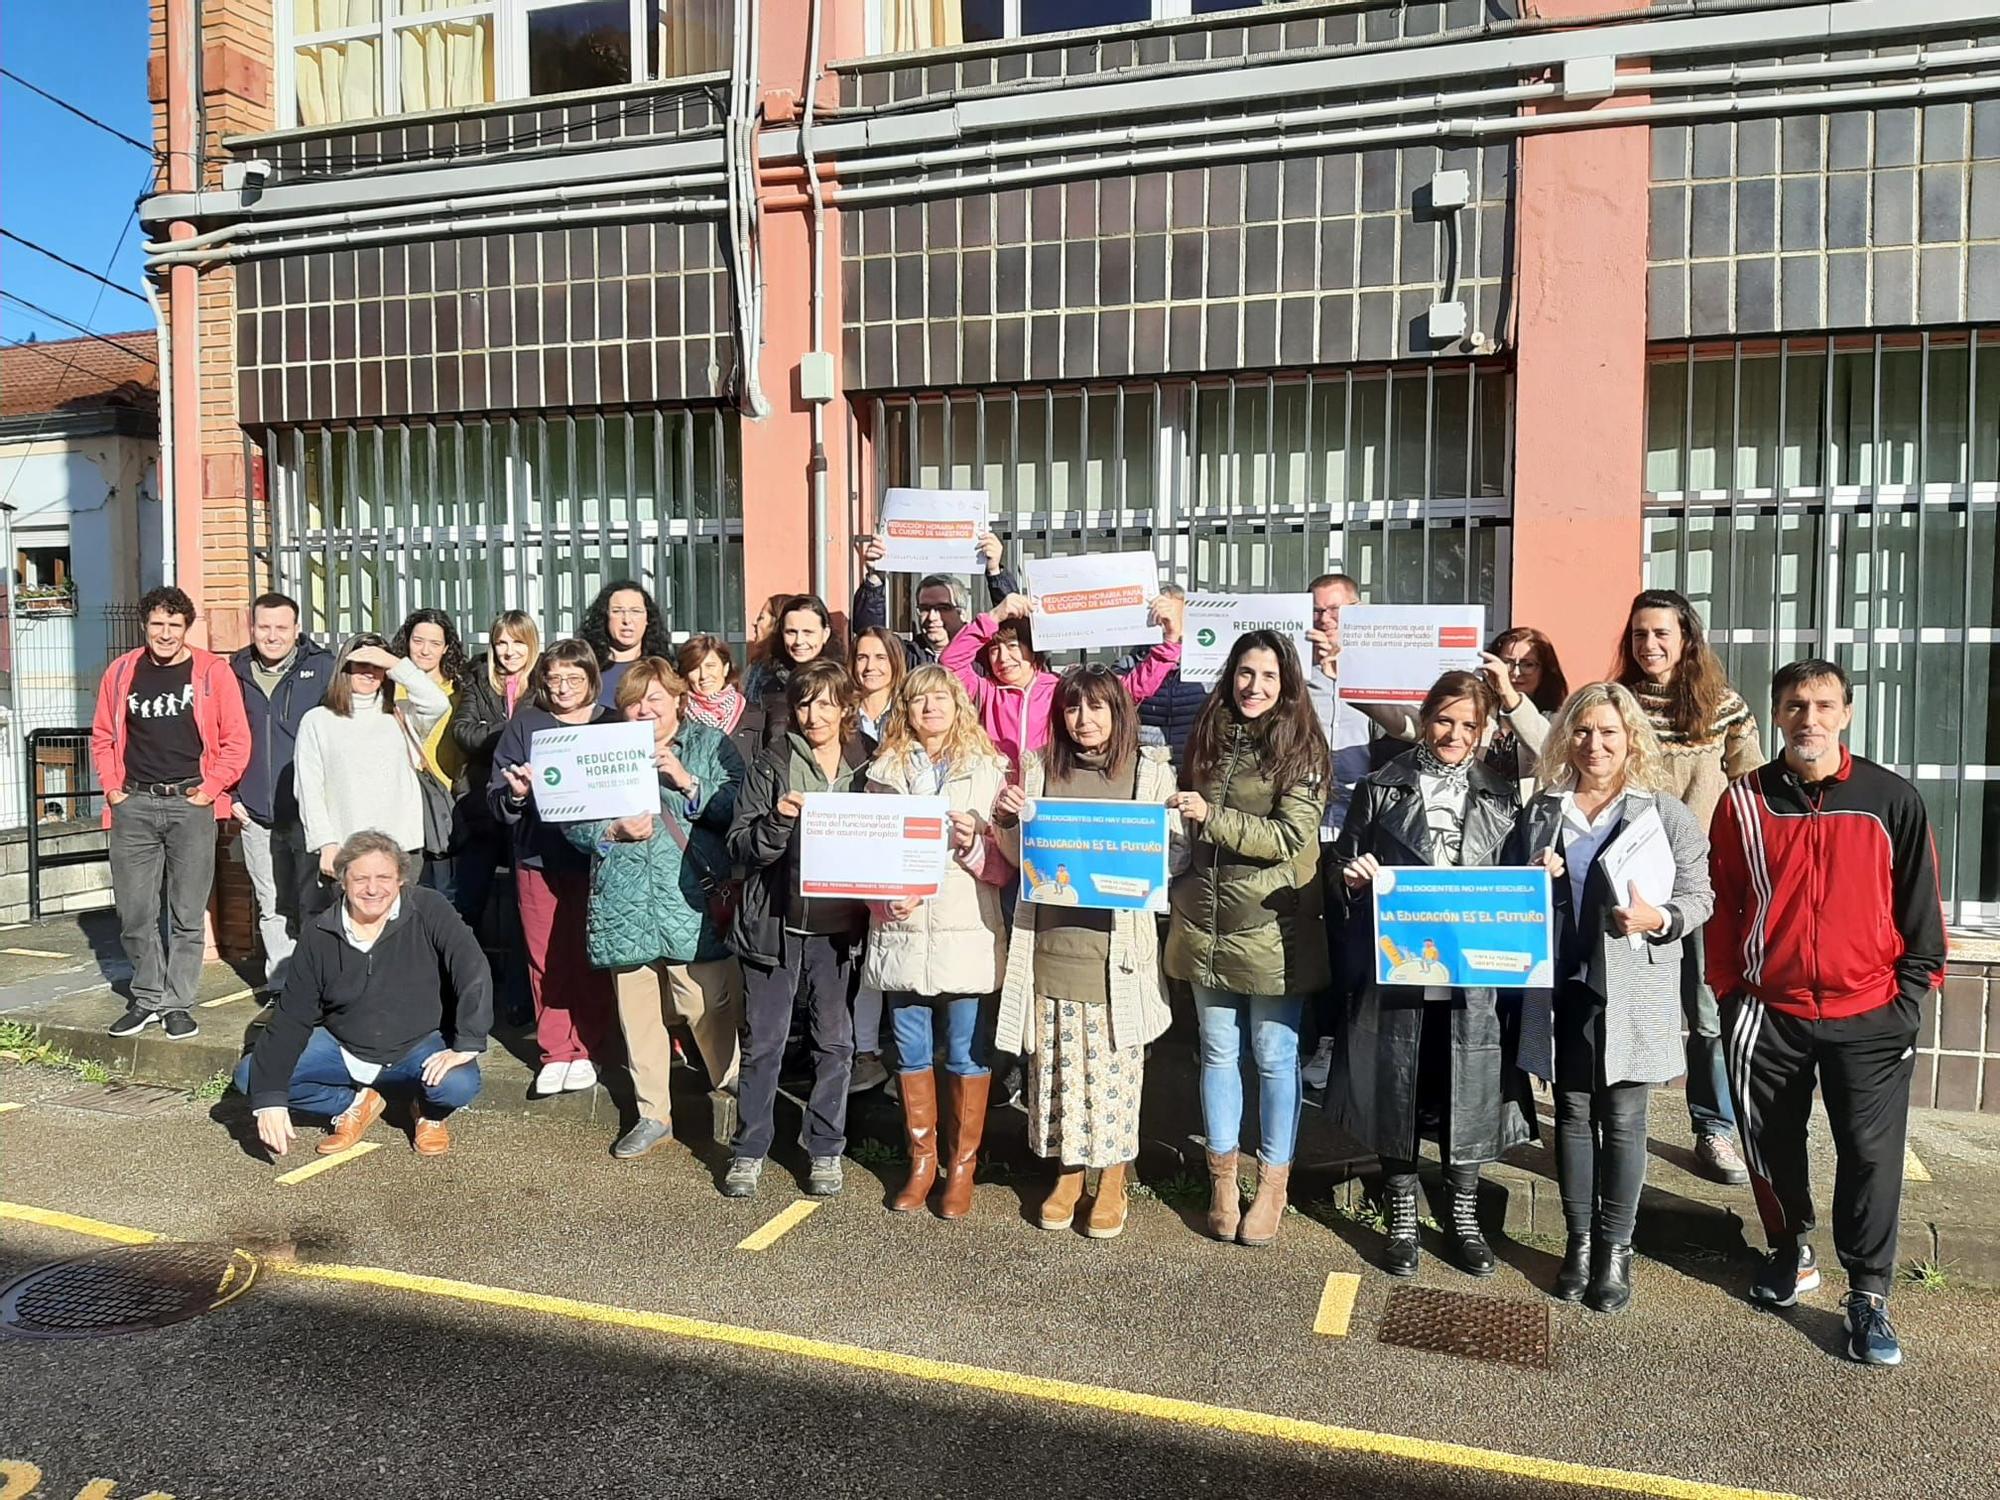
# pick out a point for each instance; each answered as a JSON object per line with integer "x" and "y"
{"x": 1828, "y": 930}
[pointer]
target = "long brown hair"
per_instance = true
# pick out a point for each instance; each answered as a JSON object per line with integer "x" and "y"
{"x": 762, "y": 648}
{"x": 1456, "y": 685}
{"x": 1291, "y": 747}
{"x": 1554, "y": 685}
{"x": 514, "y": 625}
{"x": 899, "y": 661}
{"x": 339, "y": 697}
{"x": 1699, "y": 686}
{"x": 1099, "y": 686}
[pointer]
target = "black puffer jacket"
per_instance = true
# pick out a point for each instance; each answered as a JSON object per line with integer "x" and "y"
{"x": 478, "y": 714}
{"x": 763, "y": 843}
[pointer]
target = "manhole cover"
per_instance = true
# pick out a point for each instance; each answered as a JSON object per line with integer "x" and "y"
{"x": 1511, "y": 1333}
{"x": 123, "y": 1098}
{"x": 125, "y": 1290}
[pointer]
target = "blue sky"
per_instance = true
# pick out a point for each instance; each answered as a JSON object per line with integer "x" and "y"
{"x": 63, "y": 183}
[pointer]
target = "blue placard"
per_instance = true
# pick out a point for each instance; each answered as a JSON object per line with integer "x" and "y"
{"x": 1489, "y": 927}
{"x": 1107, "y": 855}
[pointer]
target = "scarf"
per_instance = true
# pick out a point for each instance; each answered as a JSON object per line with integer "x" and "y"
{"x": 926, "y": 776}
{"x": 717, "y": 710}
{"x": 1457, "y": 777}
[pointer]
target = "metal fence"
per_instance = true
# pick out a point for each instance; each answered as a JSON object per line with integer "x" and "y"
{"x": 532, "y": 513}
{"x": 48, "y": 680}
{"x": 65, "y": 804}
{"x": 1836, "y": 497}
{"x": 1399, "y": 477}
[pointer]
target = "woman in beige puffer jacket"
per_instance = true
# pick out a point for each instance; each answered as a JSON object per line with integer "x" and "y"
{"x": 938, "y": 961}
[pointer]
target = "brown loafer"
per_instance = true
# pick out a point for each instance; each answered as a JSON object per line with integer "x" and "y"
{"x": 350, "y": 1126}
{"x": 430, "y": 1138}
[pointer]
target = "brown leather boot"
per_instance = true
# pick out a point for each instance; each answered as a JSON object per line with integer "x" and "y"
{"x": 1107, "y": 1209}
{"x": 965, "y": 1102}
{"x": 1260, "y": 1224}
{"x": 429, "y": 1137}
{"x": 920, "y": 1123}
{"x": 1225, "y": 1195}
{"x": 1059, "y": 1208}
{"x": 352, "y": 1124}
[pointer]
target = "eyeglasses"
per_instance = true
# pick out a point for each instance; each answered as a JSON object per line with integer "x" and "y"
{"x": 1519, "y": 664}
{"x": 568, "y": 680}
{"x": 936, "y": 609}
{"x": 628, "y": 614}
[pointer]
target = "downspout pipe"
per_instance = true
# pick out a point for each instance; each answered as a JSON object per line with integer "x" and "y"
{"x": 181, "y": 485}
{"x": 816, "y": 297}
{"x": 162, "y": 326}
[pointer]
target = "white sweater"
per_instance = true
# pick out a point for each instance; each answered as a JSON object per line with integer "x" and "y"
{"x": 357, "y": 772}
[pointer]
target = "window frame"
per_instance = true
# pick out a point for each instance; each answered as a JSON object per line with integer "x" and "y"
{"x": 874, "y": 26}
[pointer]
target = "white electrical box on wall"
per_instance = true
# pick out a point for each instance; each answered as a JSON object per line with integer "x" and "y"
{"x": 1446, "y": 322}
{"x": 816, "y": 377}
{"x": 1590, "y": 77}
{"x": 1451, "y": 188}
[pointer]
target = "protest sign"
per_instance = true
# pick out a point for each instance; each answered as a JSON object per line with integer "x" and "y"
{"x": 1106, "y": 855}
{"x": 1087, "y": 603}
{"x": 594, "y": 771}
{"x": 871, "y": 847}
{"x": 932, "y": 531}
{"x": 1392, "y": 653}
{"x": 1474, "y": 927}
{"x": 1215, "y": 621}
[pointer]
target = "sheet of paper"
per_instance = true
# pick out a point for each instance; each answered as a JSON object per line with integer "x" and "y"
{"x": 1214, "y": 621}
{"x": 1108, "y": 855}
{"x": 1641, "y": 853}
{"x": 932, "y": 531}
{"x": 1099, "y": 600}
{"x": 1392, "y": 653}
{"x": 870, "y": 847}
{"x": 1458, "y": 928}
{"x": 593, "y": 771}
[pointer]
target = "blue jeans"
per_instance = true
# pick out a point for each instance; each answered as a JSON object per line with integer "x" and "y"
{"x": 322, "y": 1086}
{"x": 1710, "y": 1109}
{"x": 1274, "y": 1047}
{"x": 964, "y": 1022}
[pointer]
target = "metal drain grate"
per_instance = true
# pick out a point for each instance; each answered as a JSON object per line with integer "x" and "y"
{"x": 126, "y": 1290}
{"x": 132, "y": 1099}
{"x": 1491, "y": 1328}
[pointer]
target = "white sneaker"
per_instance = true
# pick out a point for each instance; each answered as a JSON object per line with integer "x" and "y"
{"x": 578, "y": 1076}
{"x": 550, "y": 1079}
{"x": 868, "y": 1073}
{"x": 1319, "y": 1065}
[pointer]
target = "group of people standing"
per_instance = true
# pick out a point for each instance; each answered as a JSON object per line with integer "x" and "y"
{"x": 380, "y": 790}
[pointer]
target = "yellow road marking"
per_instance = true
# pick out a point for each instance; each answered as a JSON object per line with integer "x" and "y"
{"x": 33, "y": 953}
{"x": 1336, "y": 1304}
{"x": 229, "y": 999}
{"x": 11, "y": 1106}
{"x": 1914, "y": 1169}
{"x": 785, "y": 1221}
{"x": 1235, "y": 1420}
{"x": 328, "y": 1163}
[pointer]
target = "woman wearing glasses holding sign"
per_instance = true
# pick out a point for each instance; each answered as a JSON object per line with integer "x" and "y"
{"x": 1247, "y": 929}
{"x": 1427, "y": 1059}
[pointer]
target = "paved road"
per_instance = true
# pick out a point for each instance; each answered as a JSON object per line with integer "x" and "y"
{"x": 1142, "y": 1358}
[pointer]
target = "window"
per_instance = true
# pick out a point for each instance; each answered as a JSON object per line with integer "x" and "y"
{"x": 914, "y": 25}
{"x": 360, "y": 59}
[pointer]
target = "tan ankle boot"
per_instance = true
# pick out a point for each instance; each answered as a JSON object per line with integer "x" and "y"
{"x": 1107, "y": 1209}
{"x": 1059, "y": 1208}
{"x": 1260, "y": 1224}
{"x": 1225, "y": 1195}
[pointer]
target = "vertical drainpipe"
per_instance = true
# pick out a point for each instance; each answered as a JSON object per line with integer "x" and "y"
{"x": 180, "y": 474}
{"x": 816, "y": 248}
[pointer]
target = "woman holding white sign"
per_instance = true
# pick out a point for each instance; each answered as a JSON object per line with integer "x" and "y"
{"x": 1417, "y": 1060}
{"x": 938, "y": 960}
{"x": 1632, "y": 886}
{"x": 1082, "y": 995}
{"x": 1247, "y": 929}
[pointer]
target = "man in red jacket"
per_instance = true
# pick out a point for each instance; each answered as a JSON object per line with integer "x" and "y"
{"x": 1828, "y": 931}
{"x": 168, "y": 741}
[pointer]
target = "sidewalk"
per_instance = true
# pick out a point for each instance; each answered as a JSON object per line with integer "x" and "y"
{"x": 57, "y": 978}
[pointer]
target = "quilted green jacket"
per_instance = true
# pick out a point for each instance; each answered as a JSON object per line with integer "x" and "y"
{"x": 647, "y": 904}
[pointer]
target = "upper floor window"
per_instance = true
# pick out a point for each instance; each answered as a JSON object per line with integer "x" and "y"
{"x": 913, "y": 25}
{"x": 343, "y": 60}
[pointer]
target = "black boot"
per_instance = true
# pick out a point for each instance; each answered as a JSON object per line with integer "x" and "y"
{"x": 1610, "y": 1279}
{"x": 1575, "y": 1273}
{"x": 1468, "y": 1245}
{"x": 1399, "y": 1206}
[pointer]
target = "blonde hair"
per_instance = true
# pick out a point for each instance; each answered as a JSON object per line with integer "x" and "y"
{"x": 1645, "y": 765}
{"x": 965, "y": 741}
{"x": 514, "y": 625}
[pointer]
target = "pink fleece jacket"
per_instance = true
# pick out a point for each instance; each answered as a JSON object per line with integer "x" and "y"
{"x": 1017, "y": 718}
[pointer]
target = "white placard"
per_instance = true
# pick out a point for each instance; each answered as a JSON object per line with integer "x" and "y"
{"x": 1214, "y": 621}
{"x": 866, "y": 846}
{"x": 932, "y": 531}
{"x": 1641, "y": 855}
{"x": 594, "y": 771}
{"x": 1392, "y": 653}
{"x": 1091, "y": 602}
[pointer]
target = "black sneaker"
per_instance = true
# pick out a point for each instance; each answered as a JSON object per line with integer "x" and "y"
{"x": 1788, "y": 1273}
{"x": 1870, "y": 1339}
{"x": 134, "y": 1021}
{"x": 179, "y": 1025}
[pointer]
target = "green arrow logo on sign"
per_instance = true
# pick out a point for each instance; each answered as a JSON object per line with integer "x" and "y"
{"x": 552, "y": 776}
{"x": 1205, "y": 637}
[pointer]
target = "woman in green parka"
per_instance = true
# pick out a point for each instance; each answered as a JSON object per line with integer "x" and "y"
{"x": 1247, "y": 928}
{"x": 656, "y": 884}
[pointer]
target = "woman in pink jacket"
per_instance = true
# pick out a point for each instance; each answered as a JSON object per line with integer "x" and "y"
{"x": 1015, "y": 693}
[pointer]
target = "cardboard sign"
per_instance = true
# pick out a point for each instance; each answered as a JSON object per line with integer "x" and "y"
{"x": 865, "y": 846}
{"x": 1491, "y": 927}
{"x": 1108, "y": 855}
{"x": 594, "y": 771}
{"x": 1215, "y": 621}
{"x": 1089, "y": 603}
{"x": 1392, "y": 653}
{"x": 932, "y": 531}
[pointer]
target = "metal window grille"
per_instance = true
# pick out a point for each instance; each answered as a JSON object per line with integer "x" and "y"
{"x": 1835, "y": 497}
{"x": 1402, "y": 478}
{"x": 52, "y": 663}
{"x": 526, "y": 513}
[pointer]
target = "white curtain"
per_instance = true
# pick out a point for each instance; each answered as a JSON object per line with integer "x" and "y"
{"x": 911, "y": 25}
{"x": 338, "y": 81}
{"x": 445, "y": 65}
{"x": 694, "y": 37}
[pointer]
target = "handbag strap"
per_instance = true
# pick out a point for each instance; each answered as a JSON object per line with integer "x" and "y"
{"x": 679, "y": 835}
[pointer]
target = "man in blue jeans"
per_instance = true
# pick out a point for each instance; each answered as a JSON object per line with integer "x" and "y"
{"x": 364, "y": 1013}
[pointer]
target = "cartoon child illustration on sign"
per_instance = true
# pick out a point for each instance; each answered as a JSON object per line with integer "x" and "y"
{"x": 1046, "y": 891}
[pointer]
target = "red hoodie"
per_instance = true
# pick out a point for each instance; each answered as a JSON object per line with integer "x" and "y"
{"x": 218, "y": 715}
